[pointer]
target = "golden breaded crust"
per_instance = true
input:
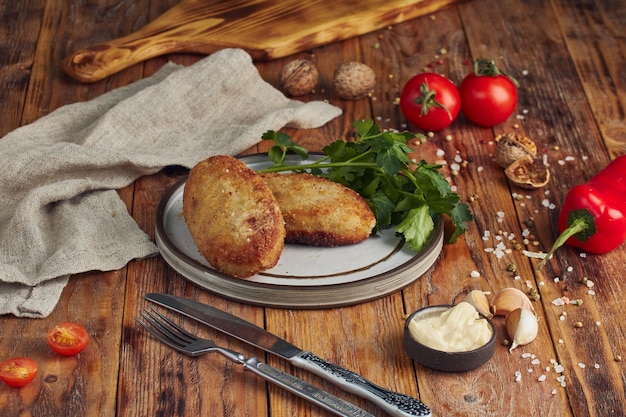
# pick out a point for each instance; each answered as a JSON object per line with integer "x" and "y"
{"x": 320, "y": 212}
{"x": 233, "y": 217}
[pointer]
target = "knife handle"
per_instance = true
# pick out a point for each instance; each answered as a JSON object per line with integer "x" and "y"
{"x": 303, "y": 389}
{"x": 392, "y": 402}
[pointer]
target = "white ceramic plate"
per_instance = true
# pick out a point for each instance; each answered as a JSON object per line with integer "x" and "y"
{"x": 305, "y": 276}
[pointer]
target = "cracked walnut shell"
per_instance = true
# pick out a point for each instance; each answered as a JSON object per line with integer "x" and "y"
{"x": 528, "y": 173}
{"x": 511, "y": 147}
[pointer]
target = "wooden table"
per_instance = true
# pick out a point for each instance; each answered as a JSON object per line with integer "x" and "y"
{"x": 570, "y": 59}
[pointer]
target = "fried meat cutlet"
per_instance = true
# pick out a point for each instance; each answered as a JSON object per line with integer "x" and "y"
{"x": 233, "y": 217}
{"x": 320, "y": 212}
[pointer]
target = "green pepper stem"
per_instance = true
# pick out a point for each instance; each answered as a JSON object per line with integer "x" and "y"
{"x": 577, "y": 226}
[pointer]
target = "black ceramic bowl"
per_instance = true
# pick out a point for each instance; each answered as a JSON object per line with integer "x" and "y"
{"x": 446, "y": 361}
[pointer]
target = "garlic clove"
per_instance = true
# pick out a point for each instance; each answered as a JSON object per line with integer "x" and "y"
{"x": 522, "y": 327}
{"x": 509, "y": 299}
{"x": 478, "y": 299}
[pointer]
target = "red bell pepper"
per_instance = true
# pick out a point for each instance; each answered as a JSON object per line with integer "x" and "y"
{"x": 593, "y": 216}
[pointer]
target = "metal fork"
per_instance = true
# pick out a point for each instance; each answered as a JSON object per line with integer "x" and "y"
{"x": 174, "y": 336}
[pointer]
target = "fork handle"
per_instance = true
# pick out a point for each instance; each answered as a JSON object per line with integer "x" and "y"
{"x": 303, "y": 389}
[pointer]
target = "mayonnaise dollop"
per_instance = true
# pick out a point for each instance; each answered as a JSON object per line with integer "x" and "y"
{"x": 458, "y": 329}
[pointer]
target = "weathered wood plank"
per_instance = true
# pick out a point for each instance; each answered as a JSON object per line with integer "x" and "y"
{"x": 595, "y": 35}
{"x": 19, "y": 43}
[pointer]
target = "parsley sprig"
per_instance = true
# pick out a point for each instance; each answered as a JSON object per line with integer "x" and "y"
{"x": 376, "y": 164}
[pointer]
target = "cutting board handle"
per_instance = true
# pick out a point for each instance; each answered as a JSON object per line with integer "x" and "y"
{"x": 181, "y": 29}
{"x": 266, "y": 29}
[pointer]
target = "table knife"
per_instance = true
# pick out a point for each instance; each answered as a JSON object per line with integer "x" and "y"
{"x": 393, "y": 403}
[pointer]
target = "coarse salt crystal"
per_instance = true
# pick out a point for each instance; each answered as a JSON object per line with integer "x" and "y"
{"x": 558, "y": 302}
{"x": 591, "y": 292}
{"x": 526, "y": 355}
{"x": 535, "y": 362}
{"x": 474, "y": 274}
{"x": 541, "y": 378}
{"x": 558, "y": 368}
{"x": 554, "y": 391}
{"x": 581, "y": 365}
{"x": 441, "y": 152}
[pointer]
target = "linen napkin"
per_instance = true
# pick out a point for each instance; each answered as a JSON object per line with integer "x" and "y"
{"x": 59, "y": 211}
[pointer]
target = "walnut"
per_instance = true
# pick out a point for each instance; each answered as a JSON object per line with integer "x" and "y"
{"x": 354, "y": 80}
{"x": 518, "y": 156}
{"x": 299, "y": 77}
{"x": 512, "y": 147}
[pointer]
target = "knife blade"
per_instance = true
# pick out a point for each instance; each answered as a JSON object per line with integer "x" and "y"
{"x": 393, "y": 403}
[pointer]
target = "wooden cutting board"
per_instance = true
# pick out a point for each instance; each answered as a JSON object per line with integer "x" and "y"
{"x": 266, "y": 29}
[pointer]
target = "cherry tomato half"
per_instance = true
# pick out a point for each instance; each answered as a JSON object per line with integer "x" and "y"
{"x": 430, "y": 101}
{"x": 68, "y": 338}
{"x": 488, "y": 96}
{"x": 18, "y": 372}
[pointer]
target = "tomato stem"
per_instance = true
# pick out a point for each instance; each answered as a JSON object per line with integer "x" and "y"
{"x": 427, "y": 99}
{"x": 487, "y": 67}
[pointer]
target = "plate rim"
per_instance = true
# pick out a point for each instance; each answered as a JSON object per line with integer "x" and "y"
{"x": 284, "y": 296}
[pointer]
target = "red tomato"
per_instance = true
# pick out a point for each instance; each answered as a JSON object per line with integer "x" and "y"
{"x": 68, "y": 338}
{"x": 430, "y": 101}
{"x": 18, "y": 372}
{"x": 488, "y": 96}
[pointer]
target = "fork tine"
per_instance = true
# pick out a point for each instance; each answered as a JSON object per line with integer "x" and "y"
{"x": 158, "y": 334}
{"x": 173, "y": 328}
{"x": 166, "y": 330}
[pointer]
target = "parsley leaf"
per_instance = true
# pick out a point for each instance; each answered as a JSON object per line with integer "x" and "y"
{"x": 376, "y": 164}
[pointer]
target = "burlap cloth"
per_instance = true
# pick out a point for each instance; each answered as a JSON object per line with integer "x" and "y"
{"x": 59, "y": 211}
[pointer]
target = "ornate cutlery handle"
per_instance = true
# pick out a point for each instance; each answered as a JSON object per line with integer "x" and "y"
{"x": 303, "y": 389}
{"x": 392, "y": 402}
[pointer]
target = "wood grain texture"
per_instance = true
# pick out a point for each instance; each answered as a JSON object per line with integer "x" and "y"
{"x": 267, "y": 29}
{"x": 568, "y": 56}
